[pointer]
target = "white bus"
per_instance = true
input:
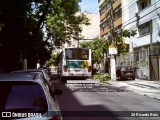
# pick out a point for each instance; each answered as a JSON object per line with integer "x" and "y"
{"x": 75, "y": 63}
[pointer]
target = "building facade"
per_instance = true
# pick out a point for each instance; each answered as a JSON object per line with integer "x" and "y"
{"x": 107, "y": 18}
{"x": 144, "y": 17}
{"x": 89, "y": 32}
{"x": 144, "y": 48}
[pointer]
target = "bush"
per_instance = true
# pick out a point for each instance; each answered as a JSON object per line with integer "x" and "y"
{"x": 102, "y": 77}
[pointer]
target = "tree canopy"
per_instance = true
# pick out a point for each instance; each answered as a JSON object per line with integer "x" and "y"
{"x": 32, "y": 27}
{"x": 99, "y": 46}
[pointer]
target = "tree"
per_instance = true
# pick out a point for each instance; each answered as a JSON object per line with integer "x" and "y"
{"x": 64, "y": 23}
{"x": 52, "y": 60}
{"x": 60, "y": 25}
{"x": 36, "y": 25}
{"x": 99, "y": 46}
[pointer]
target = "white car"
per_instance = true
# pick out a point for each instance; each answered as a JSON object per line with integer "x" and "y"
{"x": 27, "y": 97}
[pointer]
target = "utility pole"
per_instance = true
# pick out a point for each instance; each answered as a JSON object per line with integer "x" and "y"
{"x": 151, "y": 52}
{"x": 112, "y": 58}
{"x": 25, "y": 44}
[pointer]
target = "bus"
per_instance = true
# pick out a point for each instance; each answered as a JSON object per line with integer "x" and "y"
{"x": 75, "y": 63}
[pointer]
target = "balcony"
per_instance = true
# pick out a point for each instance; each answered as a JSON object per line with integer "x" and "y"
{"x": 118, "y": 22}
{"x": 147, "y": 13}
{"x": 116, "y": 4}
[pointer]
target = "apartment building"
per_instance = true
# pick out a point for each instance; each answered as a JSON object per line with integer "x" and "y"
{"x": 143, "y": 16}
{"x": 89, "y": 32}
{"x": 144, "y": 48}
{"x": 106, "y": 18}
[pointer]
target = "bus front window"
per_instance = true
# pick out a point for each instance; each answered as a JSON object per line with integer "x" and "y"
{"x": 81, "y": 54}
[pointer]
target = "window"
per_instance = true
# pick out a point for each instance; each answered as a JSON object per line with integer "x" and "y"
{"x": 135, "y": 56}
{"x": 101, "y": 26}
{"x": 144, "y": 29}
{"x": 117, "y": 13}
{"x": 142, "y": 4}
{"x": 143, "y": 54}
{"x": 105, "y": 23}
{"x": 22, "y": 97}
{"x": 82, "y": 54}
{"x": 113, "y": 1}
{"x": 103, "y": 9}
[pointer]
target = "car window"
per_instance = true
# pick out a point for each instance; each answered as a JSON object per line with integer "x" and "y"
{"x": 46, "y": 73}
{"x": 126, "y": 67}
{"x": 22, "y": 96}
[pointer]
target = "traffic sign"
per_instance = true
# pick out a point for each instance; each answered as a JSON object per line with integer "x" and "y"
{"x": 112, "y": 49}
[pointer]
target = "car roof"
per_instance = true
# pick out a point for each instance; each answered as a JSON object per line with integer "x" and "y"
{"x": 28, "y": 70}
{"x": 18, "y": 76}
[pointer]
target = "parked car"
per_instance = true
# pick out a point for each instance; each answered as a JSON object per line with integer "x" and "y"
{"x": 125, "y": 72}
{"x": 42, "y": 71}
{"x": 28, "y": 93}
{"x": 48, "y": 70}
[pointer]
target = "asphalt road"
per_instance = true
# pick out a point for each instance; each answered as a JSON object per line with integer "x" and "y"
{"x": 104, "y": 102}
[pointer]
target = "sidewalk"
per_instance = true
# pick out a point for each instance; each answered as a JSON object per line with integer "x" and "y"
{"x": 143, "y": 87}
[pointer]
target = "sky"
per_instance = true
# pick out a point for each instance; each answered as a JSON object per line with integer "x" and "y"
{"x": 90, "y": 6}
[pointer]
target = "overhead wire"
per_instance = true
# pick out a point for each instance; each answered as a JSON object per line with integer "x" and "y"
{"x": 134, "y": 16}
{"x": 86, "y": 5}
{"x": 90, "y": 6}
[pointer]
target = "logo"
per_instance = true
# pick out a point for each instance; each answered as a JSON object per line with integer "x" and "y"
{"x": 6, "y": 114}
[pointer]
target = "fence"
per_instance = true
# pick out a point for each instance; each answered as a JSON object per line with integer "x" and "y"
{"x": 146, "y": 64}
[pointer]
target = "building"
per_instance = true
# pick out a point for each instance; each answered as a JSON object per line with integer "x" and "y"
{"x": 110, "y": 21}
{"x": 144, "y": 48}
{"x": 88, "y": 32}
{"x": 143, "y": 16}
{"x": 107, "y": 18}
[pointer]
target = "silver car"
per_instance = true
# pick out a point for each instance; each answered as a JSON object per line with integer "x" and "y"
{"x": 28, "y": 97}
{"x": 42, "y": 71}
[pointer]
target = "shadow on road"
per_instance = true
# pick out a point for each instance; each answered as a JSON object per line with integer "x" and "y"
{"x": 73, "y": 109}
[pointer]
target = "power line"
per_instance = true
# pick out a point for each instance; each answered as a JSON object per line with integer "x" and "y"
{"x": 86, "y": 5}
{"x": 139, "y": 18}
{"x": 133, "y": 8}
{"x": 143, "y": 16}
{"x": 90, "y": 5}
{"x": 82, "y": 7}
{"x": 93, "y": 6}
{"x": 147, "y": 8}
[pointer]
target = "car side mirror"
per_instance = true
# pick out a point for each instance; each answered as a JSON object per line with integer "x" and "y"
{"x": 58, "y": 92}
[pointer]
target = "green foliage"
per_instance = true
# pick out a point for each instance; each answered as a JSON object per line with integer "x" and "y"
{"x": 119, "y": 41}
{"x": 52, "y": 60}
{"x": 36, "y": 25}
{"x": 101, "y": 45}
{"x": 98, "y": 47}
{"x": 102, "y": 77}
{"x": 63, "y": 22}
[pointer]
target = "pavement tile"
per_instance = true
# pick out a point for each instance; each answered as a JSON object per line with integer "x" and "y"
{"x": 142, "y": 87}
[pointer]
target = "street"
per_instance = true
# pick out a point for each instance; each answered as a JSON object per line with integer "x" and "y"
{"x": 104, "y": 101}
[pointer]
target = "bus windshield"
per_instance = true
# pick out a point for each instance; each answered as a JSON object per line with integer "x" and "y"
{"x": 82, "y": 54}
